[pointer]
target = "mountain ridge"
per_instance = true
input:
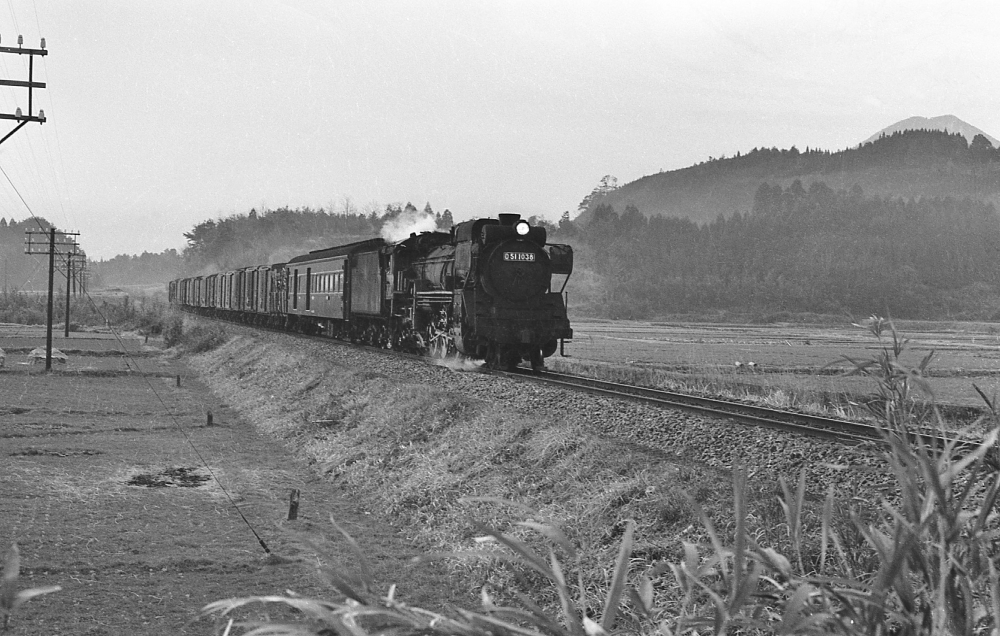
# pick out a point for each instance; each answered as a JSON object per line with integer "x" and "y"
{"x": 906, "y": 164}
{"x": 949, "y": 123}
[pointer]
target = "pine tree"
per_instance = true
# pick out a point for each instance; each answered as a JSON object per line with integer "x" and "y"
{"x": 446, "y": 220}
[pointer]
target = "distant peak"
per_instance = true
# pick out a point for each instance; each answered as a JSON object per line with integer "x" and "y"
{"x": 948, "y": 123}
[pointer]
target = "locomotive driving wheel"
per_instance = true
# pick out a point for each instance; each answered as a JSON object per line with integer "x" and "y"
{"x": 440, "y": 344}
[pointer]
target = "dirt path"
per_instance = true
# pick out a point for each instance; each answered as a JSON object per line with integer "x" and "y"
{"x": 134, "y": 559}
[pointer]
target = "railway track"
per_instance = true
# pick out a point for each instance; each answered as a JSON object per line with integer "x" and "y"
{"x": 843, "y": 431}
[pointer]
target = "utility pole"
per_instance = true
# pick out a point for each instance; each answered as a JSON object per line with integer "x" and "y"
{"x": 69, "y": 284}
{"x": 64, "y": 246}
{"x": 31, "y": 84}
{"x": 71, "y": 275}
{"x": 48, "y": 321}
{"x": 21, "y": 120}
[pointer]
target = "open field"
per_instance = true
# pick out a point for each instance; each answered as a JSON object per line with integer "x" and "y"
{"x": 88, "y": 352}
{"x": 115, "y": 489}
{"x": 90, "y": 342}
{"x": 791, "y": 357}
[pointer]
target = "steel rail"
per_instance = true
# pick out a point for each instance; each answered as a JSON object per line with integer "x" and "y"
{"x": 844, "y": 431}
{"x": 781, "y": 420}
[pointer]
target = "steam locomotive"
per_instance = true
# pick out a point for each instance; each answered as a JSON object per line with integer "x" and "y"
{"x": 490, "y": 289}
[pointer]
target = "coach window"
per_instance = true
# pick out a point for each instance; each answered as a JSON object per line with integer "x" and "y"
{"x": 295, "y": 290}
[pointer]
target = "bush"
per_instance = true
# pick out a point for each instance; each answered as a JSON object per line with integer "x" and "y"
{"x": 173, "y": 331}
{"x": 144, "y": 314}
{"x": 202, "y": 338}
{"x": 196, "y": 338}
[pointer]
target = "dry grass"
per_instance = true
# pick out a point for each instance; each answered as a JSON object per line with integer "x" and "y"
{"x": 423, "y": 455}
{"x": 919, "y": 562}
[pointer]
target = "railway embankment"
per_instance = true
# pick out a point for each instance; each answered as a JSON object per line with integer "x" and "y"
{"x": 422, "y": 446}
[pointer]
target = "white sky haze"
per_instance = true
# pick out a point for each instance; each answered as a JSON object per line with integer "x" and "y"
{"x": 164, "y": 114}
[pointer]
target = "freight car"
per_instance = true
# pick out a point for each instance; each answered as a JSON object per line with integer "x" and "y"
{"x": 490, "y": 289}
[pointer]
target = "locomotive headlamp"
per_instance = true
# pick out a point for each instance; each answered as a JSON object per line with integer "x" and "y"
{"x": 522, "y": 228}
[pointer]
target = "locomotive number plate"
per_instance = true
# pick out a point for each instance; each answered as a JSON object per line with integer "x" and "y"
{"x": 519, "y": 256}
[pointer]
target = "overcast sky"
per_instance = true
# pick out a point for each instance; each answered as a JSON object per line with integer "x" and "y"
{"x": 164, "y": 114}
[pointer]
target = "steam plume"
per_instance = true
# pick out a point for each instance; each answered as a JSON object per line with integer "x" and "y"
{"x": 407, "y": 223}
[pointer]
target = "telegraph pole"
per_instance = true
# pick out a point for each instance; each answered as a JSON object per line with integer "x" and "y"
{"x": 71, "y": 275}
{"x": 69, "y": 285}
{"x": 33, "y": 246}
{"x": 21, "y": 120}
{"x": 48, "y": 321}
{"x": 31, "y": 84}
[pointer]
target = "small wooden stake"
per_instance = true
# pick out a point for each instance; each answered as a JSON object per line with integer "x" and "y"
{"x": 209, "y": 419}
{"x": 178, "y": 380}
{"x": 293, "y": 505}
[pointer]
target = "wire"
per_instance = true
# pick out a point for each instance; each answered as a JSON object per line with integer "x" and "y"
{"x": 173, "y": 417}
{"x": 34, "y": 6}
{"x": 13, "y": 17}
{"x": 176, "y": 423}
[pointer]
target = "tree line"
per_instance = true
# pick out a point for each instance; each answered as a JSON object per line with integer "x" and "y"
{"x": 19, "y": 271}
{"x": 272, "y": 236}
{"x": 799, "y": 250}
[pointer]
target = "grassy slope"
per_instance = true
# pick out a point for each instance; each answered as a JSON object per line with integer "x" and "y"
{"x": 414, "y": 450}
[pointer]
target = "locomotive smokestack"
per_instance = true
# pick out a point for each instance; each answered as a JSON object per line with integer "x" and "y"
{"x": 509, "y": 219}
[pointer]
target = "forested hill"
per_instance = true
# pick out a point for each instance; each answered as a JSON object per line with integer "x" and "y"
{"x": 801, "y": 250}
{"x": 909, "y": 164}
{"x": 19, "y": 271}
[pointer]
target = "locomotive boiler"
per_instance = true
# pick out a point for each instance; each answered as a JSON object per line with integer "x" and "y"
{"x": 485, "y": 290}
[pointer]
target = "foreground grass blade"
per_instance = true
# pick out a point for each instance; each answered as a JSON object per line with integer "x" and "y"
{"x": 618, "y": 579}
